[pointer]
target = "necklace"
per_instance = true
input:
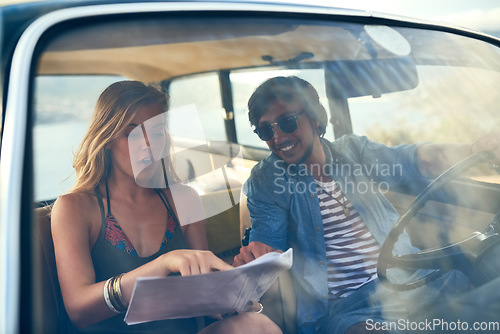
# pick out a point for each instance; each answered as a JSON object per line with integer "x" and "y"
{"x": 341, "y": 199}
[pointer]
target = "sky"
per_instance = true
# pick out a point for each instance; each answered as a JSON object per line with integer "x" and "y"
{"x": 478, "y": 15}
{"x": 481, "y": 15}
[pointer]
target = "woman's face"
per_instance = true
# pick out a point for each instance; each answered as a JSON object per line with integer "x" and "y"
{"x": 139, "y": 149}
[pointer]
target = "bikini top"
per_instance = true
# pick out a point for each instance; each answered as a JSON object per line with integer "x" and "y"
{"x": 113, "y": 252}
{"x": 114, "y": 234}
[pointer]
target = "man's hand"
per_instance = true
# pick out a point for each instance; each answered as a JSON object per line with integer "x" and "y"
{"x": 434, "y": 159}
{"x": 490, "y": 142}
{"x": 249, "y": 253}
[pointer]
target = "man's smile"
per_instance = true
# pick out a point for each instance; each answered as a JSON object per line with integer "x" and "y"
{"x": 287, "y": 147}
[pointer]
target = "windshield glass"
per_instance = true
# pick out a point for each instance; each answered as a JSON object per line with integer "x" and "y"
{"x": 261, "y": 120}
{"x": 394, "y": 85}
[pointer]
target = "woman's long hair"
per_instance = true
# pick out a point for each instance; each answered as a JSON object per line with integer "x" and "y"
{"x": 116, "y": 107}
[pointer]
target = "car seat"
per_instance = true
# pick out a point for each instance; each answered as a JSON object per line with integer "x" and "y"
{"x": 49, "y": 314}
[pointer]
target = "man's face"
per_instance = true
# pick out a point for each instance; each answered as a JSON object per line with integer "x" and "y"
{"x": 295, "y": 147}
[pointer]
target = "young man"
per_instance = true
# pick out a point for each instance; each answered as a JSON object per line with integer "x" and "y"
{"x": 325, "y": 201}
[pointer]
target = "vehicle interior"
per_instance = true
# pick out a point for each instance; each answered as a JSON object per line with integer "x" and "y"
{"x": 394, "y": 81}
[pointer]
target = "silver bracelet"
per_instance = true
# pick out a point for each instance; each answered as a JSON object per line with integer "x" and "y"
{"x": 251, "y": 307}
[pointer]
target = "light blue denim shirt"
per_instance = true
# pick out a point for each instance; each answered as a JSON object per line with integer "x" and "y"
{"x": 285, "y": 212}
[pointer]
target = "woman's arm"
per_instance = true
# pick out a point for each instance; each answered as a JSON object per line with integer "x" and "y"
{"x": 72, "y": 228}
{"x": 71, "y": 233}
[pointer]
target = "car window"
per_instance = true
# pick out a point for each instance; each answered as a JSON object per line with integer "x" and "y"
{"x": 244, "y": 82}
{"x": 450, "y": 104}
{"x": 418, "y": 86}
{"x": 407, "y": 90}
{"x": 202, "y": 94}
{"x": 63, "y": 107}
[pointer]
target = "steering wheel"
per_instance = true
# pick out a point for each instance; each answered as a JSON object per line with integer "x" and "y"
{"x": 431, "y": 259}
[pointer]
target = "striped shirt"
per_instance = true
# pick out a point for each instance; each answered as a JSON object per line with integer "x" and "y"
{"x": 351, "y": 250}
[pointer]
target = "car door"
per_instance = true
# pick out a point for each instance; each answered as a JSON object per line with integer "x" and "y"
{"x": 395, "y": 81}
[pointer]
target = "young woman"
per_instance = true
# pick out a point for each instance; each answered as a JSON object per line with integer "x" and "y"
{"x": 120, "y": 221}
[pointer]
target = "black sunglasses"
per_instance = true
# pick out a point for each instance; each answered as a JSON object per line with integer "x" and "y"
{"x": 287, "y": 125}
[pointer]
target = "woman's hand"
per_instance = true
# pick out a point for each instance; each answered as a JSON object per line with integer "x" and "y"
{"x": 192, "y": 262}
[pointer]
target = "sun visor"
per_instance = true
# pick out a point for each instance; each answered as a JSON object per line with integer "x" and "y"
{"x": 372, "y": 77}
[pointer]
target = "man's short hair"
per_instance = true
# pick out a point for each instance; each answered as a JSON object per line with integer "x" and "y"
{"x": 288, "y": 89}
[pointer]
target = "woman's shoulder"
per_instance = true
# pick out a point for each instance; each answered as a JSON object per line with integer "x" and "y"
{"x": 80, "y": 203}
{"x": 80, "y": 196}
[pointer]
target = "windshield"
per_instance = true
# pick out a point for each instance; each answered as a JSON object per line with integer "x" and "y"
{"x": 372, "y": 95}
{"x": 394, "y": 85}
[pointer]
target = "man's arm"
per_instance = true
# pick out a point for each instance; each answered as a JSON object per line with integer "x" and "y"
{"x": 268, "y": 208}
{"x": 434, "y": 159}
{"x": 268, "y": 228}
